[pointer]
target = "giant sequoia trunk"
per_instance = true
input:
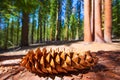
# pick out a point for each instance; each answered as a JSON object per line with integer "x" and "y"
{"x": 25, "y": 29}
{"x": 98, "y": 22}
{"x": 87, "y": 28}
{"x": 108, "y": 21}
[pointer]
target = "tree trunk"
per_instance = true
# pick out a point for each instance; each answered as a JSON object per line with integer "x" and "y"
{"x": 108, "y": 21}
{"x": 6, "y": 36}
{"x": 40, "y": 31}
{"x": 98, "y": 22}
{"x": 25, "y": 29}
{"x": 11, "y": 31}
{"x": 93, "y": 19}
{"x": 78, "y": 12}
{"x": 40, "y": 25}
{"x": 32, "y": 30}
{"x": 87, "y": 28}
{"x": 18, "y": 32}
{"x": 58, "y": 21}
{"x": 44, "y": 29}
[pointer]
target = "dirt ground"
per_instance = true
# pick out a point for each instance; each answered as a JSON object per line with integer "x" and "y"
{"x": 108, "y": 67}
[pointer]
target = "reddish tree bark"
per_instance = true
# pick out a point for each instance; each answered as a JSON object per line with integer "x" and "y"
{"x": 98, "y": 22}
{"x": 92, "y": 18}
{"x": 108, "y": 21}
{"x": 87, "y": 28}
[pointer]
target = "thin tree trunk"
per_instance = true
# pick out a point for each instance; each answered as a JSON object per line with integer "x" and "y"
{"x": 87, "y": 29}
{"x": 98, "y": 22}
{"x": 40, "y": 25}
{"x": 58, "y": 20}
{"x": 32, "y": 30}
{"x": 57, "y": 28}
{"x": 6, "y": 36}
{"x": 44, "y": 29}
{"x": 118, "y": 13}
{"x": 38, "y": 32}
{"x": 18, "y": 32}
{"x": 11, "y": 31}
{"x": 25, "y": 29}
{"x": 93, "y": 19}
{"x": 108, "y": 21}
{"x": 78, "y": 28}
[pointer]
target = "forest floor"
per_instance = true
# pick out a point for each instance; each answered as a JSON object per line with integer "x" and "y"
{"x": 108, "y": 67}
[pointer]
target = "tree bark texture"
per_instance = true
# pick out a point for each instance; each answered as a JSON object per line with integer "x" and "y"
{"x": 108, "y": 21}
{"x": 87, "y": 28}
{"x": 92, "y": 18}
{"x": 98, "y": 22}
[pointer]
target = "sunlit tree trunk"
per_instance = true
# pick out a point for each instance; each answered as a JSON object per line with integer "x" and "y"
{"x": 87, "y": 28}
{"x": 25, "y": 29}
{"x": 92, "y": 18}
{"x": 108, "y": 21}
{"x": 98, "y": 22}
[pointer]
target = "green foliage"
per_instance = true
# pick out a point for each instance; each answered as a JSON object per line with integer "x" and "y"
{"x": 27, "y": 6}
{"x": 73, "y": 26}
{"x": 53, "y": 9}
{"x": 116, "y": 18}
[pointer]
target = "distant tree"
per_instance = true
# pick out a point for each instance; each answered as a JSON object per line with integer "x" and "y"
{"x": 68, "y": 12}
{"x": 79, "y": 2}
{"x": 40, "y": 23}
{"x": 18, "y": 30}
{"x": 12, "y": 30}
{"x": 116, "y": 18}
{"x": 26, "y": 7}
{"x": 53, "y": 11}
{"x": 6, "y": 34}
{"x": 33, "y": 28}
{"x": 58, "y": 20}
{"x": 73, "y": 28}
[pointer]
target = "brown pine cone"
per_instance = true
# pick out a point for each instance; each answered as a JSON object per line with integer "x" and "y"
{"x": 43, "y": 61}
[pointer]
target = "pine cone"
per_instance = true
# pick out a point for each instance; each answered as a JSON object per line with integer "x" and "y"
{"x": 43, "y": 61}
